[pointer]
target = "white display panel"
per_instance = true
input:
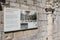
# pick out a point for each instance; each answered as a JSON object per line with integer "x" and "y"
{"x": 16, "y": 19}
{"x": 11, "y": 19}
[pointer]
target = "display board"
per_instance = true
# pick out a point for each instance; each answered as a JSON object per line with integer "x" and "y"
{"x": 17, "y": 19}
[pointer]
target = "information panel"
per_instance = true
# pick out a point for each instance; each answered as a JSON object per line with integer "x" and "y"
{"x": 16, "y": 19}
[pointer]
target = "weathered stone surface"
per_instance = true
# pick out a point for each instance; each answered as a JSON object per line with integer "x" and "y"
{"x": 41, "y": 32}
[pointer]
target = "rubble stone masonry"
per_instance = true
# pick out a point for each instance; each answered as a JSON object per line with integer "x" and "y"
{"x": 48, "y": 29}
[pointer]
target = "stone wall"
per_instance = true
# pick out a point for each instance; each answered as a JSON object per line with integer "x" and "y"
{"x": 33, "y": 5}
{"x": 35, "y": 34}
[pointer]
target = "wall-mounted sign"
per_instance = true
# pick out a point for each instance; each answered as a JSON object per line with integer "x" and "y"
{"x": 16, "y": 19}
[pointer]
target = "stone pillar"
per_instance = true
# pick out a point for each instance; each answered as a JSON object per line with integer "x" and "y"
{"x": 49, "y": 26}
{"x": 49, "y": 10}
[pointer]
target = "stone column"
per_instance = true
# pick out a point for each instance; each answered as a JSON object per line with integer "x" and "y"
{"x": 49, "y": 10}
{"x": 49, "y": 26}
